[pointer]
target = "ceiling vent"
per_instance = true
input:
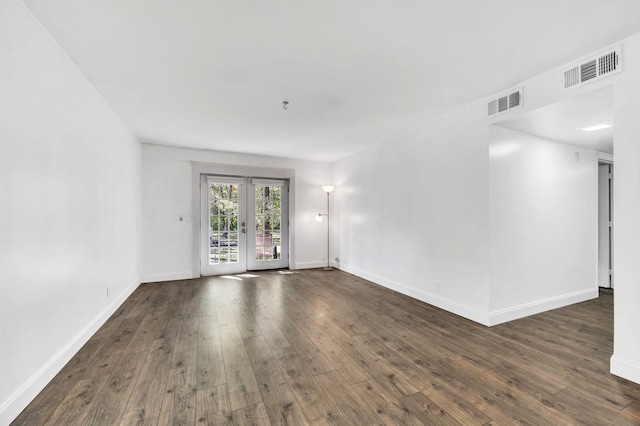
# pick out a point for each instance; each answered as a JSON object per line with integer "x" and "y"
{"x": 594, "y": 68}
{"x": 505, "y": 102}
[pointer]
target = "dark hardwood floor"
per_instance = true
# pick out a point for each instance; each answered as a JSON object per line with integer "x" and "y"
{"x": 316, "y": 347}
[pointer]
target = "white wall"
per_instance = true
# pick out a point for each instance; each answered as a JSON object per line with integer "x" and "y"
{"x": 543, "y": 224}
{"x": 626, "y": 216}
{"x": 167, "y": 249}
{"x": 414, "y": 211}
{"x": 485, "y": 222}
{"x": 440, "y": 231}
{"x": 168, "y": 244}
{"x": 69, "y": 223}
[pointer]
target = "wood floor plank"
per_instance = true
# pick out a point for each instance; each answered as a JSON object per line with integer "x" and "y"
{"x": 312, "y": 356}
{"x": 85, "y": 358}
{"x": 277, "y": 396}
{"x": 179, "y": 400}
{"x": 207, "y": 309}
{"x": 103, "y": 365}
{"x": 318, "y": 348}
{"x": 270, "y": 330}
{"x": 521, "y": 407}
{"x": 241, "y": 382}
{"x": 349, "y": 404}
{"x": 590, "y": 382}
{"x": 186, "y": 333}
{"x": 377, "y": 366}
{"x": 149, "y": 329}
{"x": 191, "y": 294}
{"x": 588, "y": 410}
{"x": 347, "y": 366}
{"x": 313, "y": 401}
{"x": 388, "y": 408}
{"x": 212, "y": 407}
{"x": 255, "y": 415}
{"x": 633, "y": 412}
{"x": 247, "y": 322}
{"x": 75, "y": 406}
{"x": 146, "y": 399}
{"x": 111, "y": 406}
{"x": 141, "y": 302}
{"x": 409, "y": 369}
{"x": 119, "y": 340}
{"x": 428, "y": 412}
{"x": 210, "y": 361}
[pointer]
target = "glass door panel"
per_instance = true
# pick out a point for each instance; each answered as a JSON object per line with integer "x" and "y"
{"x": 223, "y": 225}
{"x": 268, "y": 219}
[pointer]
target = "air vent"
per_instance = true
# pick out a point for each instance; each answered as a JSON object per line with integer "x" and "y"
{"x": 505, "y": 102}
{"x": 598, "y": 66}
{"x": 514, "y": 100}
{"x": 502, "y": 104}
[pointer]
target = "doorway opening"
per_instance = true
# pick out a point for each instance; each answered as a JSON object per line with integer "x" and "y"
{"x": 605, "y": 224}
{"x": 244, "y": 224}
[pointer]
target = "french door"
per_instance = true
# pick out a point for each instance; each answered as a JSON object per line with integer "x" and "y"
{"x": 244, "y": 224}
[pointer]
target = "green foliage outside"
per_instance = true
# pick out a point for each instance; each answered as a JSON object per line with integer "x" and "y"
{"x": 267, "y": 208}
{"x": 223, "y": 220}
{"x": 224, "y": 209}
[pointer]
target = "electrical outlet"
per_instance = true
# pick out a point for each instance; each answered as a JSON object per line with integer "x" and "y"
{"x": 436, "y": 286}
{"x": 107, "y": 291}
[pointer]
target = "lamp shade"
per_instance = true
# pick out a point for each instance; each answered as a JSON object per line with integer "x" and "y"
{"x": 327, "y": 188}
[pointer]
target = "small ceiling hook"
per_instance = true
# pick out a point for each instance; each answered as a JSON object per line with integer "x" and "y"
{"x": 285, "y": 104}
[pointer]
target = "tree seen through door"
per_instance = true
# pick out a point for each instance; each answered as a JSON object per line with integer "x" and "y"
{"x": 223, "y": 217}
{"x": 268, "y": 226}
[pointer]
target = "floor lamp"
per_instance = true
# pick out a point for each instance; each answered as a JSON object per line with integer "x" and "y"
{"x": 327, "y": 189}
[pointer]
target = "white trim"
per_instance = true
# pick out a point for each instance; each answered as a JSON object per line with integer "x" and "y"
{"x": 225, "y": 180}
{"x": 437, "y": 301}
{"x": 312, "y": 264}
{"x": 604, "y": 157}
{"x": 199, "y": 168}
{"x": 625, "y": 369}
{"x": 487, "y": 319}
{"x": 18, "y": 401}
{"x": 184, "y": 275}
{"x": 532, "y": 308}
{"x": 267, "y": 182}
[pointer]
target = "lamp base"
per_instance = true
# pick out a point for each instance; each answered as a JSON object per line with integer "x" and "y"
{"x": 328, "y": 268}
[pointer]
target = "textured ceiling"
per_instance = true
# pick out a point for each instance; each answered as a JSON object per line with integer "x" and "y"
{"x": 213, "y": 74}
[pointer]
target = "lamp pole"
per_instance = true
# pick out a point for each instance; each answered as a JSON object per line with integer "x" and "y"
{"x": 328, "y": 268}
{"x": 327, "y": 189}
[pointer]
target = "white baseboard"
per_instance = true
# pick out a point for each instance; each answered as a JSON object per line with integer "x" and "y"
{"x": 521, "y": 311}
{"x": 435, "y": 300}
{"x": 186, "y": 275}
{"x": 488, "y": 319}
{"x": 625, "y": 369}
{"x": 18, "y": 401}
{"x": 310, "y": 265}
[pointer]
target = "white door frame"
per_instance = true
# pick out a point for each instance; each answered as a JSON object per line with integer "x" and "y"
{"x": 603, "y": 158}
{"x": 199, "y": 168}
